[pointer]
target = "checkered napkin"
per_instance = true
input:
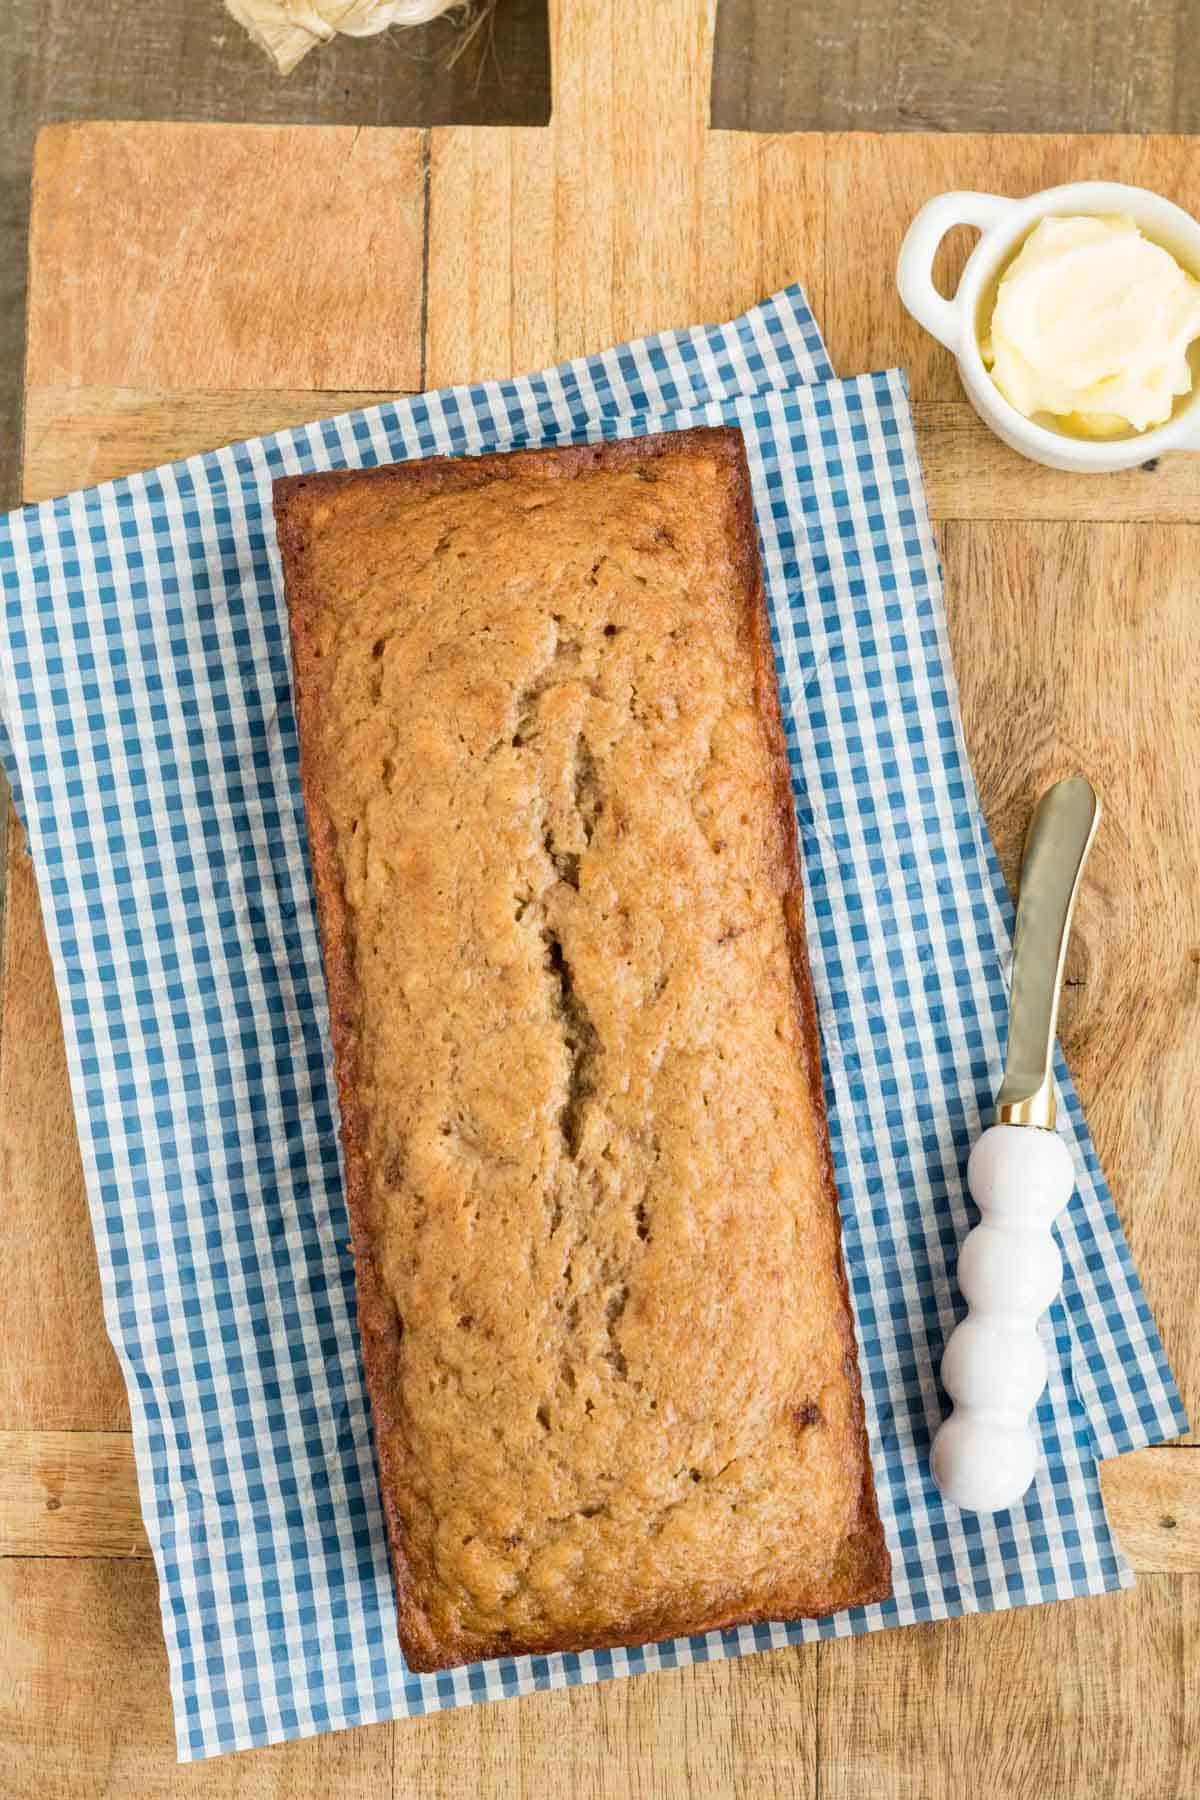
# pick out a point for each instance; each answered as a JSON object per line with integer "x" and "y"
{"x": 144, "y": 684}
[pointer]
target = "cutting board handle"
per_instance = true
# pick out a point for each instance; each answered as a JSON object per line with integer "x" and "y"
{"x": 630, "y": 65}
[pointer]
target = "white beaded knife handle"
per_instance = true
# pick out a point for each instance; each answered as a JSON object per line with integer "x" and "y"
{"x": 1021, "y": 1177}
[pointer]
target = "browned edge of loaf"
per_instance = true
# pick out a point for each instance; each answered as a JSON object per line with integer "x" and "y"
{"x": 863, "y": 1570}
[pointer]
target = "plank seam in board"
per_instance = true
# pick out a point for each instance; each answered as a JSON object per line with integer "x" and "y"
{"x": 71, "y": 1556}
{"x": 87, "y": 435}
{"x": 818, "y": 1683}
{"x": 426, "y": 201}
{"x": 73, "y": 1495}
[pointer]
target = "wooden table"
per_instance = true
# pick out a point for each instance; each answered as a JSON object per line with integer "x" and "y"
{"x": 190, "y": 285}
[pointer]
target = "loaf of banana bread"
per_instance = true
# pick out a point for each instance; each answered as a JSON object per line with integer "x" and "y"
{"x": 603, "y": 1312}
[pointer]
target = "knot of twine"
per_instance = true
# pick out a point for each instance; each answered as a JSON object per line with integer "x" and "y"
{"x": 288, "y": 29}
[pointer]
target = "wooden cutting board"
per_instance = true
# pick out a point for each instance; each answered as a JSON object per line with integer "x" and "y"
{"x": 193, "y": 284}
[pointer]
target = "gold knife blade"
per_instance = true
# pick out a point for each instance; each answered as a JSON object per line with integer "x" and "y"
{"x": 1060, "y": 835}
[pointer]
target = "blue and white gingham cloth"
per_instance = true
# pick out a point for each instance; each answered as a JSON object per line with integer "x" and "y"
{"x": 144, "y": 684}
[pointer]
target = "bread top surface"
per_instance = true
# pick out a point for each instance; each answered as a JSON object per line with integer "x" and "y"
{"x": 600, "y": 1286}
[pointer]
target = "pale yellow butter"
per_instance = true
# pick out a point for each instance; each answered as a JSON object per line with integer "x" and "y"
{"x": 1092, "y": 324}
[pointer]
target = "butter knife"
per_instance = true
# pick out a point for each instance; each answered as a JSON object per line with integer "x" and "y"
{"x": 1021, "y": 1177}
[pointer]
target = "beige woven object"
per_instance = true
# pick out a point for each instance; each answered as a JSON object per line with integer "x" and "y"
{"x": 288, "y": 29}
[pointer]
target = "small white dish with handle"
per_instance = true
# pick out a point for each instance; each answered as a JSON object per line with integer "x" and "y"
{"x": 958, "y": 324}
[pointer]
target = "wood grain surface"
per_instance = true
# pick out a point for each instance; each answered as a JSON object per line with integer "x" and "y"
{"x": 940, "y": 65}
{"x": 1092, "y": 1699}
{"x": 1077, "y": 642}
{"x": 162, "y": 281}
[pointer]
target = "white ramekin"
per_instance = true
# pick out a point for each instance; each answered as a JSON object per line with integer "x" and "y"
{"x": 956, "y": 323}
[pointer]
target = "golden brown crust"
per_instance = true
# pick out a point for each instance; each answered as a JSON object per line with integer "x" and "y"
{"x": 321, "y": 549}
